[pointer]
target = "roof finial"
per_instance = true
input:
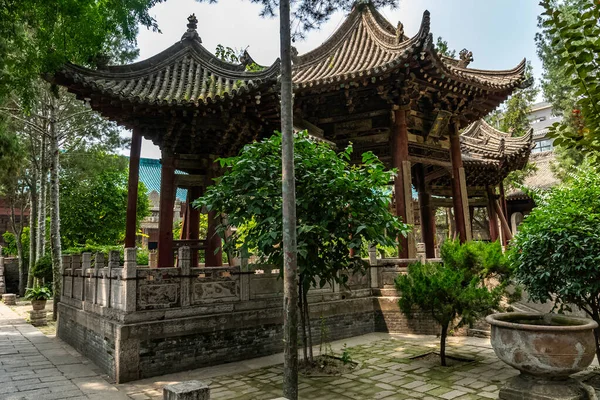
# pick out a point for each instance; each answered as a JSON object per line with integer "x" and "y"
{"x": 192, "y": 25}
{"x": 400, "y": 32}
{"x": 466, "y": 58}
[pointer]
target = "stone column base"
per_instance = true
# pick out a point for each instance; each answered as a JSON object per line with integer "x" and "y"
{"x": 532, "y": 388}
{"x": 9, "y": 299}
{"x": 189, "y": 390}
{"x": 38, "y": 318}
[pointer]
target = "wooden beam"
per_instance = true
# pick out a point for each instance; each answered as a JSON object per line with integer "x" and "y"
{"x": 188, "y": 181}
{"x": 438, "y": 173}
{"x": 429, "y": 161}
{"x": 132, "y": 188}
{"x": 448, "y": 202}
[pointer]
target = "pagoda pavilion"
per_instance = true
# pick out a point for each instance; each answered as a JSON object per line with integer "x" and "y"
{"x": 368, "y": 84}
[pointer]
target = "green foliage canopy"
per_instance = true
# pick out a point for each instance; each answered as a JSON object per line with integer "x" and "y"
{"x": 574, "y": 36}
{"x": 339, "y": 206}
{"x": 94, "y": 198}
{"x": 38, "y": 36}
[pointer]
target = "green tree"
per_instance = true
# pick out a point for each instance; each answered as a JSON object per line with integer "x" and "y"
{"x": 38, "y": 37}
{"x": 573, "y": 29}
{"x": 442, "y": 47}
{"x": 558, "y": 90}
{"x": 556, "y": 252}
{"x": 339, "y": 207}
{"x": 454, "y": 292}
{"x": 93, "y": 198}
{"x": 13, "y": 188}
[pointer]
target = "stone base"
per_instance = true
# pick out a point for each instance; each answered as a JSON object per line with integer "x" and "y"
{"x": 190, "y": 390}
{"x": 38, "y": 318}
{"x": 9, "y": 299}
{"x": 523, "y": 387}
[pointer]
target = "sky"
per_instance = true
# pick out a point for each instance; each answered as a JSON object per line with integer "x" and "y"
{"x": 500, "y": 33}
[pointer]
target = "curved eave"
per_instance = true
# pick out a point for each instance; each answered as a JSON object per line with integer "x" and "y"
{"x": 176, "y": 77}
{"x": 481, "y": 140}
{"x": 499, "y": 80}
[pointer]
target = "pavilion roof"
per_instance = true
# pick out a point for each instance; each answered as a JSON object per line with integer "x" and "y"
{"x": 185, "y": 74}
{"x": 489, "y": 154}
{"x": 481, "y": 142}
{"x": 367, "y": 45}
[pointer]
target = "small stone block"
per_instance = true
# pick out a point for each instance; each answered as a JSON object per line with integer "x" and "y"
{"x": 189, "y": 390}
{"x": 35, "y": 314}
{"x": 39, "y": 322}
{"x": 9, "y": 299}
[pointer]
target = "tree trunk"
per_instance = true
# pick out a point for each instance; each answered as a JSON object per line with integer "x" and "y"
{"x": 32, "y": 229}
{"x": 40, "y": 240}
{"x": 290, "y": 258}
{"x": 443, "y": 344}
{"x": 17, "y": 197}
{"x": 22, "y": 280}
{"x": 55, "y": 209}
{"x": 307, "y": 317}
{"x": 302, "y": 320}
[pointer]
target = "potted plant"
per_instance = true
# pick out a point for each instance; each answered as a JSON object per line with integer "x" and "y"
{"x": 38, "y": 297}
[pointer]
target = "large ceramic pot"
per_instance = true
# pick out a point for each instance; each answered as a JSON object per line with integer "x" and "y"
{"x": 544, "y": 345}
{"x": 546, "y": 348}
{"x": 38, "y": 305}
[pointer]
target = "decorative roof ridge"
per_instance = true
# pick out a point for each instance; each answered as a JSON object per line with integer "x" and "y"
{"x": 375, "y": 25}
{"x": 519, "y": 69}
{"x": 181, "y": 50}
{"x": 190, "y": 45}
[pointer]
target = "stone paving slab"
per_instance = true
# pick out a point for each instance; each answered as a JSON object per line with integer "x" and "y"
{"x": 34, "y": 366}
{"x": 386, "y": 371}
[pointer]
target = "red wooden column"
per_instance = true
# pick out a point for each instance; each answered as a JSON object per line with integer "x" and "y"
{"x": 403, "y": 182}
{"x": 459, "y": 187}
{"x": 132, "y": 188}
{"x": 492, "y": 216}
{"x": 213, "y": 242}
{"x": 427, "y": 216}
{"x": 165, "y": 219}
{"x": 194, "y": 221}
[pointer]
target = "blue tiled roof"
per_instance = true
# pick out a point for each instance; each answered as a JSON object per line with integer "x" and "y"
{"x": 150, "y": 172}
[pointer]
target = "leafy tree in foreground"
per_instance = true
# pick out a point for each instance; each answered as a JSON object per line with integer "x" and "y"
{"x": 339, "y": 207}
{"x": 454, "y": 292}
{"x": 556, "y": 252}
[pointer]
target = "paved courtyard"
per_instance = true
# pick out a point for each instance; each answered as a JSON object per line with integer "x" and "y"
{"x": 34, "y": 366}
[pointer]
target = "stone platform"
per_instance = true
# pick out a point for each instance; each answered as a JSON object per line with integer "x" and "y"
{"x": 136, "y": 322}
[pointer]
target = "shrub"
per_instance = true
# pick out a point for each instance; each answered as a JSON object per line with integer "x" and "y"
{"x": 43, "y": 269}
{"x": 556, "y": 253}
{"x": 455, "y": 292}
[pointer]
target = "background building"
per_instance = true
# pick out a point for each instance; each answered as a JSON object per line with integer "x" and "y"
{"x": 542, "y": 156}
